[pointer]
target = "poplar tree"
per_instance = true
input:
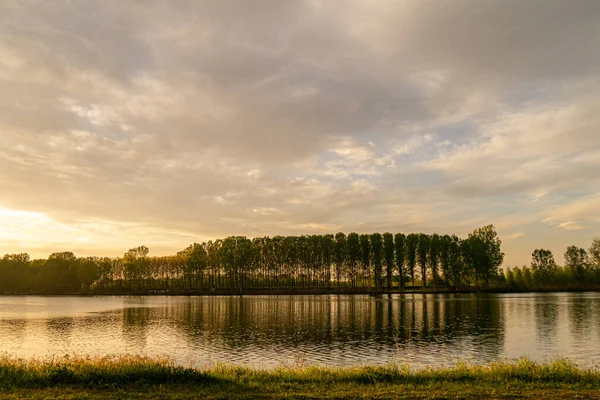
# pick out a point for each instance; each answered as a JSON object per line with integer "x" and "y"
{"x": 388, "y": 255}
{"x": 377, "y": 251}
{"x": 422, "y": 252}
{"x": 412, "y": 241}
{"x": 400, "y": 252}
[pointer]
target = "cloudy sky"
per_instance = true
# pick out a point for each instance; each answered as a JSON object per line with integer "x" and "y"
{"x": 167, "y": 122}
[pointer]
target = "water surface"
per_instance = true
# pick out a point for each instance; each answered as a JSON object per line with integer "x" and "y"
{"x": 334, "y": 330}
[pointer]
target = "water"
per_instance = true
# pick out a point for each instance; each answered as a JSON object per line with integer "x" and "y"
{"x": 270, "y": 331}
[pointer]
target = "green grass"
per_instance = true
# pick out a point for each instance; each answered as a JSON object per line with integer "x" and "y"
{"x": 142, "y": 377}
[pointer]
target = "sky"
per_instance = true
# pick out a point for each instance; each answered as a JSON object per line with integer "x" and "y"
{"x": 165, "y": 123}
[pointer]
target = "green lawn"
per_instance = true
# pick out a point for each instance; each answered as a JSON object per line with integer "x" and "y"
{"x": 312, "y": 391}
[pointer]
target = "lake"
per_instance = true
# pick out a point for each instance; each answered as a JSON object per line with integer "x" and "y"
{"x": 270, "y": 331}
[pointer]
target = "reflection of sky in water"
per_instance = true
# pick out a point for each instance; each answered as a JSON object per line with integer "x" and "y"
{"x": 331, "y": 330}
{"x": 50, "y": 307}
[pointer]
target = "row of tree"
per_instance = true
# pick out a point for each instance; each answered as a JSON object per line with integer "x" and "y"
{"x": 236, "y": 263}
{"x": 581, "y": 270}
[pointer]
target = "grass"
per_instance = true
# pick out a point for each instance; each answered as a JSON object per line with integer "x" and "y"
{"x": 141, "y": 377}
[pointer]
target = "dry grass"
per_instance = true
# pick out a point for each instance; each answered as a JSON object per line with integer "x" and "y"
{"x": 127, "y": 370}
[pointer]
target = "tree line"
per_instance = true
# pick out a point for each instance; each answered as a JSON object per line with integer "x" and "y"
{"x": 580, "y": 271}
{"x": 353, "y": 262}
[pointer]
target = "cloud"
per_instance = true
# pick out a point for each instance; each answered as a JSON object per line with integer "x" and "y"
{"x": 413, "y": 143}
{"x": 534, "y": 150}
{"x": 580, "y": 213}
{"x": 513, "y": 236}
{"x": 266, "y": 211}
{"x": 202, "y": 119}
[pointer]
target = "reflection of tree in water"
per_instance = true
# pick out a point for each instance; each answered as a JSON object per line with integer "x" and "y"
{"x": 337, "y": 321}
{"x": 135, "y": 326}
{"x": 488, "y": 332}
{"x": 425, "y": 321}
{"x": 451, "y": 320}
{"x": 438, "y": 317}
{"x": 60, "y": 328}
{"x": 596, "y": 314}
{"x": 191, "y": 321}
{"x": 580, "y": 310}
{"x": 390, "y": 329}
{"x": 99, "y": 321}
{"x": 545, "y": 308}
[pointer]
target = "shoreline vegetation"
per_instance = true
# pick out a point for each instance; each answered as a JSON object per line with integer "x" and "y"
{"x": 377, "y": 294}
{"x": 138, "y": 376}
{"x": 310, "y": 264}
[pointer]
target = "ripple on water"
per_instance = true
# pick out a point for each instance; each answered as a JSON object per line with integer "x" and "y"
{"x": 311, "y": 330}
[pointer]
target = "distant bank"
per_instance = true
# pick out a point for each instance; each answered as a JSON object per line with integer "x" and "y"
{"x": 308, "y": 264}
{"x": 381, "y": 293}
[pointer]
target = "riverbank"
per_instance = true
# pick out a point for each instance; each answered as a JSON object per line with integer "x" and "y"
{"x": 140, "y": 377}
{"x": 313, "y": 291}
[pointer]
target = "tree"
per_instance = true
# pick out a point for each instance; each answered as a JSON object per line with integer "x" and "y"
{"x": 445, "y": 242}
{"x": 196, "y": 262}
{"x": 388, "y": 255}
{"x": 434, "y": 256}
{"x": 60, "y": 273}
{"x": 594, "y": 253}
{"x": 422, "y": 251}
{"x": 576, "y": 259}
{"x": 105, "y": 272}
{"x": 399, "y": 241}
{"x": 484, "y": 252}
{"x": 88, "y": 271}
{"x": 411, "y": 255}
{"x": 135, "y": 265}
{"x": 236, "y": 255}
{"x": 354, "y": 254}
{"x": 519, "y": 279}
{"x": 376, "y": 249}
{"x": 243, "y": 257}
{"x": 13, "y": 272}
{"x": 315, "y": 260}
{"x": 456, "y": 265}
{"x": 365, "y": 252}
{"x": 527, "y": 277}
{"x": 341, "y": 255}
{"x": 118, "y": 272}
{"x": 543, "y": 264}
{"x": 327, "y": 256}
{"x": 510, "y": 279}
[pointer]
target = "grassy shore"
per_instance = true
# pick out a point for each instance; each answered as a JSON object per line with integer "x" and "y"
{"x": 140, "y": 377}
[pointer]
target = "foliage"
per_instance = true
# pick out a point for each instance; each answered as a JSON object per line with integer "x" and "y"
{"x": 376, "y": 245}
{"x": 577, "y": 274}
{"x": 594, "y": 253}
{"x": 483, "y": 254}
{"x": 434, "y": 256}
{"x": 400, "y": 256}
{"x": 543, "y": 264}
{"x": 411, "y": 243}
{"x": 388, "y": 255}
{"x": 350, "y": 262}
{"x": 576, "y": 259}
{"x": 422, "y": 255}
